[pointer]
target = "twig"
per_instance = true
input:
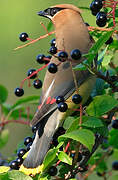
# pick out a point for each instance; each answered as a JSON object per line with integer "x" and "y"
{"x": 14, "y": 121}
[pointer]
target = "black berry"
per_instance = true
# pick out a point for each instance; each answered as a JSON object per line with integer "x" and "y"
{"x": 23, "y": 37}
{"x": 101, "y": 19}
{"x": 115, "y": 165}
{"x": 19, "y": 92}
{"x": 52, "y": 171}
{"x": 40, "y": 58}
{"x": 53, "y": 42}
{"x": 109, "y": 41}
{"x": 30, "y": 72}
{"x": 34, "y": 129}
{"x": 115, "y": 124}
{"x": 52, "y": 68}
{"x": 47, "y": 61}
{"x": 14, "y": 165}
{"x": 19, "y": 160}
{"x": 96, "y": 5}
{"x": 76, "y": 98}
{"x": 53, "y": 50}
{"x": 62, "y": 107}
{"x": 21, "y": 152}
{"x": 62, "y": 56}
{"x": 59, "y": 99}
{"x": 29, "y": 146}
{"x": 37, "y": 83}
{"x": 76, "y": 54}
{"x": 27, "y": 140}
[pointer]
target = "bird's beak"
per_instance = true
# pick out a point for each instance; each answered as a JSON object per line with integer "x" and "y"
{"x": 42, "y": 13}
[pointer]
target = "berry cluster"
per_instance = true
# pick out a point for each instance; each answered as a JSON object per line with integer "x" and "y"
{"x": 101, "y": 17}
{"x": 15, "y": 164}
{"x": 62, "y": 56}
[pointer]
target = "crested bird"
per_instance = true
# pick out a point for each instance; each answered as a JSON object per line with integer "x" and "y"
{"x": 71, "y": 33}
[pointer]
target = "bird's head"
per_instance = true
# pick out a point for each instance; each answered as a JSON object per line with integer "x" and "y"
{"x": 53, "y": 11}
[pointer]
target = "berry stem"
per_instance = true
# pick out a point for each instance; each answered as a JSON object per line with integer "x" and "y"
{"x": 14, "y": 121}
{"x": 33, "y": 41}
{"x": 44, "y": 27}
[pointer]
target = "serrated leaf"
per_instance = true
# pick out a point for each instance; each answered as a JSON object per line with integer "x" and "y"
{"x": 17, "y": 175}
{"x": 50, "y": 156}
{"x": 3, "y": 94}
{"x": 68, "y": 122}
{"x": 106, "y": 60}
{"x": 25, "y": 100}
{"x": 4, "y": 137}
{"x": 65, "y": 158}
{"x": 101, "y": 105}
{"x": 4, "y": 169}
{"x": 96, "y": 47}
{"x": 84, "y": 136}
{"x": 91, "y": 122}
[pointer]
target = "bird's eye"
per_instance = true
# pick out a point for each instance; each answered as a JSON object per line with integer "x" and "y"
{"x": 53, "y": 11}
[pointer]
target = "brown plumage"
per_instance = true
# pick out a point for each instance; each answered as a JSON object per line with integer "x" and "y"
{"x": 71, "y": 33}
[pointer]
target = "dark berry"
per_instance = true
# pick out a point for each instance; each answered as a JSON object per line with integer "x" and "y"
{"x": 53, "y": 50}
{"x": 21, "y": 152}
{"x": 52, "y": 68}
{"x": 27, "y": 140}
{"x": 23, "y": 37}
{"x": 34, "y": 129}
{"x": 29, "y": 146}
{"x": 115, "y": 165}
{"x": 14, "y": 165}
{"x": 115, "y": 124}
{"x": 62, "y": 107}
{"x": 30, "y": 72}
{"x": 59, "y": 99}
{"x": 109, "y": 41}
{"x": 76, "y": 98}
{"x": 76, "y": 54}
{"x": 47, "y": 61}
{"x": 19, "y": 92}
{"x": 19, "y": 160}
{"x": 62, "y": 56}
{"x": 53, "y": 42}
{"x": 96, "y": 5}
{"x": 79, "y": 157}
{"x": 52, "y": 171}
{"x": 94, "y": 13}
{"x": 101, "y": 19}
{"x": 37, "y": 83}
{"x": 40, "y": 58}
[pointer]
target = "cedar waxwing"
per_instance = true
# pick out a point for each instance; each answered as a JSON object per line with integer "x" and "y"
{"x": 71, "y": 33}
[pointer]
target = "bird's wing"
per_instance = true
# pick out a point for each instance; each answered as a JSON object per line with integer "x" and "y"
{"x": 58, "y": 84}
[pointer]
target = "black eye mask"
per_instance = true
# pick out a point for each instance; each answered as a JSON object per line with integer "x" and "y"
{"x": 52, "y": 11}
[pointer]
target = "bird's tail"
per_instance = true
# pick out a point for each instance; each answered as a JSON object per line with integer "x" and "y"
{"x": 41, "y": 142}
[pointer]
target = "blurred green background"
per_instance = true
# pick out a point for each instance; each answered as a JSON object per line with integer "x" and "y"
{"x": 16, "y": 17}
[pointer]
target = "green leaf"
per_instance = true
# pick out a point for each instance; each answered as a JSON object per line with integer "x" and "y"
{"x": 50, "y": 156}
{"x": 4, "y": 176}
{"x": 113, "y": 136}
{"x": 101, "y": 105}
{"x": 68, "y": 122}
{"x": 25, "y": 100}
{"x": 59, "y": 145}
{"x": 74, "y": 125}
{"x": 4, "y": 137}
{"x": 65, "y": 158}
{"x": 4, "y": 169}
{"x": 84, "y": 136}
{"x": 81, "y": 67}
{"x": 3, "y": 94}
{"x": 17, "y": 175}
{"x": 96, "y": 47}
{"x": 106, "y": 60}
{"x": 91, "y": 122}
